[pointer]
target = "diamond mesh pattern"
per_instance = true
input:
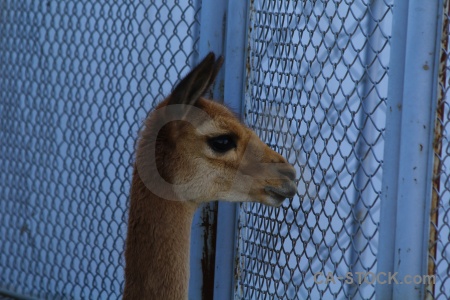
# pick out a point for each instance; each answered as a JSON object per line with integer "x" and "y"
{"x": 76, "y": 80}
{"x": 316, "y": 92}
{"x": 439, "y": 245}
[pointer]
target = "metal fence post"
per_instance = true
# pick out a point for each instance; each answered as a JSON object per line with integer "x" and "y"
{"x": 417, "y": 53}
{"x": 201, "y": 284}
{"x": 388, "y": 210}
{"x": 235, "y": 50}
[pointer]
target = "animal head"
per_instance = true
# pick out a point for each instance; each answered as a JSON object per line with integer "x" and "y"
{"x": 194, "y": 149}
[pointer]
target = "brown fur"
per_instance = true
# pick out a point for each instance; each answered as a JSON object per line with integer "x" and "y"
{"x": 176, "y": 170}
{"x": 157, "y": 253}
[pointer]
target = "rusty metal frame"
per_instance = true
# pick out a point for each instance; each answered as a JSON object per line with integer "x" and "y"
{"x": 437, "y": 148}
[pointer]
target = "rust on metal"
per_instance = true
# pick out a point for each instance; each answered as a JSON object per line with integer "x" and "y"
{"x": 437, "y": 151}
{"x": 209, "y": 224}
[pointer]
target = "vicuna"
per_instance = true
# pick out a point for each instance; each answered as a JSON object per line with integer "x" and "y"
{"x": 191, "y": 150}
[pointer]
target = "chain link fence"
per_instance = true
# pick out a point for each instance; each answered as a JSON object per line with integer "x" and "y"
{"x": 76, "y": 81}
{"x": 439, "y": 244}
{"x": 316, "y": 91}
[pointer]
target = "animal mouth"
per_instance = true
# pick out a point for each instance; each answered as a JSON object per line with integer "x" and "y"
{"x": 287, "y": 190}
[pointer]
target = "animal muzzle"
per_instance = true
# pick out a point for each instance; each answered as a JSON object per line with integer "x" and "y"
{"x": 284, "y": 184}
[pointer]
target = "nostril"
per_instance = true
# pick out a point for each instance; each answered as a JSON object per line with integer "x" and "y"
{"x": 289, "y": 173}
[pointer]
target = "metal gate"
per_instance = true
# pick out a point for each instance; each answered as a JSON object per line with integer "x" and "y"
{"x": 353, "y": 93}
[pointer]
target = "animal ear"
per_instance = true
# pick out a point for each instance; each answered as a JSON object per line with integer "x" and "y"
{"x": 195, "y": 84}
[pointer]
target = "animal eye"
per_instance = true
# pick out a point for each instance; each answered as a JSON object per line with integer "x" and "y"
{"x": 222, "y": 143}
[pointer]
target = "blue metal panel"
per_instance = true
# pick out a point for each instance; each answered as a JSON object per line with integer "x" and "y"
{"x": 388, "y": 211}
{"x": 235, "y": 53}
{"x": 415, "y": 168}
{"x": 416, "y": 53}
{"x": 204, "y": 223}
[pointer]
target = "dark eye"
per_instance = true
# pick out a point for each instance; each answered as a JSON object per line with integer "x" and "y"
{"x": 222, "y": 143}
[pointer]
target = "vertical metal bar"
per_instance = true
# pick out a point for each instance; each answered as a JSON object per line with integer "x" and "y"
{"x": 433, "y": 209}
{"x": 203, "y": 234}
{"x": 236, "y": 25}
{"x": 408, "y": 145}
{"x": 388, "y": 207}
{"x": 437, "y": 169}
{"x": 212, "y": 36}
{"x": 416, "y": 129}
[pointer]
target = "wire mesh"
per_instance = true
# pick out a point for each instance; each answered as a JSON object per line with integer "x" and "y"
{"x": 316, "y": 92}
{"x": 439, "y": 244}
{"x": 76, "y": 81}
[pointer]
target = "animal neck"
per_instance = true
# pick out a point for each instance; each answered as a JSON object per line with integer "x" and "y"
{"x": 157, "y": 245}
